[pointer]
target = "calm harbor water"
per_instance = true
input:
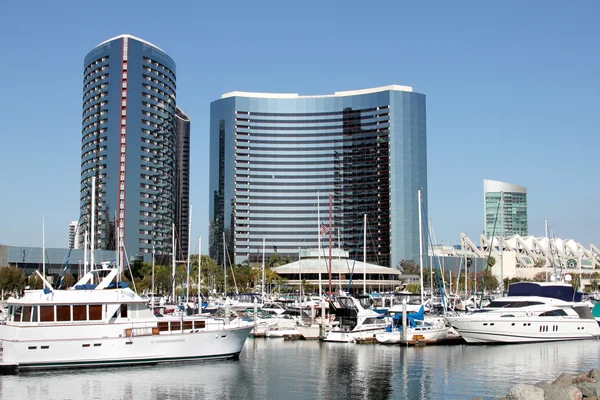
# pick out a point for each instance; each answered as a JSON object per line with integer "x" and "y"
{"x": 278, "y": 369}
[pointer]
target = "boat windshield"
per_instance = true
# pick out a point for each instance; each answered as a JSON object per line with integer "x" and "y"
{"x": 512, "y": 304}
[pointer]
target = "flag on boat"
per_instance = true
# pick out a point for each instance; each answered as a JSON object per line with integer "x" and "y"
{"x": 324, "y": 230}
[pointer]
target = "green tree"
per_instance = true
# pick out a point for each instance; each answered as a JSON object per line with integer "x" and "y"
{"x": 593, "y": 283}
{"x": 35, "y": 282}
{"x": 539, "y": 263}
{"x": 409, "y": 267}
{"x": 69, "y": 281}
{"x": 487, "y": 280}
{"x": 162, "y": 279}
{"x": 414, "y": 287}
{"x": 12, "y": 280}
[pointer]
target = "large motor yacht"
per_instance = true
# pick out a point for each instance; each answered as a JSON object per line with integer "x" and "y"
{"x": 532, "y": 312}
{"x": 100, "y": 323}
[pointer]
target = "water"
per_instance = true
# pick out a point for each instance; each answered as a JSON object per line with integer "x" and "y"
{"x": 278, "y": 369}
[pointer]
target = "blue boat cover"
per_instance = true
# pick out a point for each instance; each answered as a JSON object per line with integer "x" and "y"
{"x": 558, "y": 291}
{"x": 87, "y": 286}
{"x": 410, "y": 318}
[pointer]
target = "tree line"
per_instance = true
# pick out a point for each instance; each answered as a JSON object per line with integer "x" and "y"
{"x": 244, "y": 277}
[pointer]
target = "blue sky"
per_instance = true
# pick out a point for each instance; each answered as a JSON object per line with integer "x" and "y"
{"x": 513, "y": 94}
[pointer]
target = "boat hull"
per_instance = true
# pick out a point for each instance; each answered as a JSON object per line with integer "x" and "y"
{"x": 108, "y": 352}
{"x": 342, "y": 336}
{"x": 523, "y": 330}
{"x": 412, "y": 335}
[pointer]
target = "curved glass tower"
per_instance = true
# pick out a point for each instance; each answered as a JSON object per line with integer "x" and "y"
{"x": 128, "y": 144}
{"x": 182, "y": 187}
{"x": 505, "y": 209}
{"x": 275, "y": 159}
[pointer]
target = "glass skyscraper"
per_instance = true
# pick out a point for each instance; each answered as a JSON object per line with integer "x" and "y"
{"x": 505, "y": 209}
{"x": 129, "y": 136}
{"x": 275, "y": 159}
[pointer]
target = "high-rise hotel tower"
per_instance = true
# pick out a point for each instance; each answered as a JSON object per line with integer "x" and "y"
{"x": 129, "y": 144}
{"x": 276, "y": 158}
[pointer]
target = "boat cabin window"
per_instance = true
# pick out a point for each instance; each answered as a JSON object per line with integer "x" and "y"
{"x": 26, "y": 314}
{"x": 47, "y": 313}
{"x": 123, "y": 310}
{"x": 554, "y": 313}
{"x": 365, "y": 302}
{"x": 512, "y": 304}
{"x": 95, "y": 312}
{"x": 371, "y": 321}
{"x": 34, "y": 314}
{"x": 345, "y": 302}
{"x": 63, "y": 313}
{"x": 18, "y": 313}
{"x": 80, "y": 313}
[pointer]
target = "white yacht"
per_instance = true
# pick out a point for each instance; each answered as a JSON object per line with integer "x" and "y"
{"x": 356, "y": 320}
{"x": 104, "y": 325}
{"x": 532, "y": 312}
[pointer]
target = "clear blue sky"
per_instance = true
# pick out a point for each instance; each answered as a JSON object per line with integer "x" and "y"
{"x": 513, "y": 94}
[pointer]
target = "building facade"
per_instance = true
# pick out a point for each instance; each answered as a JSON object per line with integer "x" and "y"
{"x": 129, "y": 145}
{"x": 72, "y": 235}
{"x": 31, "y": 259}
{"x": 276, "y": 159}
{"x": 505, "y": 208}
{"x": 182, "y": 184}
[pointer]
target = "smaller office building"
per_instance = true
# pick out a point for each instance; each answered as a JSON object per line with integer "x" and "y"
{"x": 29, "y": 259}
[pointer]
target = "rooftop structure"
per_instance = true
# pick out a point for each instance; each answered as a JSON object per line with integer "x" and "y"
{"x": 343, "y": 269}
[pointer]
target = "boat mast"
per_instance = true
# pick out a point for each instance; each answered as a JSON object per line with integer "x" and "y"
{"x": 187, "y": 292}
{"x": 501, "y": 242}
{"x": 420, "y": 244}
{"x": 319, "y": 234}
{"x": 153, "y": 277}
{"x": 43, "y": 246}
{"x": 224, "y": 267}
{"x": 173, "y": 261}
{"x": 300, "y": 268}
{"x": 263, "y": 273}
{"x": 93, "y": 227}
{"x": 199, "y": 266}
{"x": 365, "y": 255}
{"x": 431, "y": 265}
{"x": 547, "y": 247}
{"x": 85, "y": 252}
{"x": 330, "y": 242}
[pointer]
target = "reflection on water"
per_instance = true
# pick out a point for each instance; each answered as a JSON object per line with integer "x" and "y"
{"x": 277, "y": 369}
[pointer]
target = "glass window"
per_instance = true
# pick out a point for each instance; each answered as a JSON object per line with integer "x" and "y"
{"x": 18, "y": 312}
{"x": 34, "y": 314}
{"x": 26, "y": 313}
{"x": 63, "y": 313}
{"x": 123, "y": 310}
{"x": 47, "y": 313}
{"x": 79, "y": 313}
{"x": 96, "y": 313}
